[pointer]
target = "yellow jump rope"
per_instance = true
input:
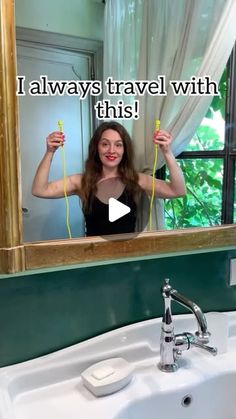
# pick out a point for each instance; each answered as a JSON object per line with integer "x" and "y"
{"x": 60, "y": 127}
{"x": 157, "y": 127}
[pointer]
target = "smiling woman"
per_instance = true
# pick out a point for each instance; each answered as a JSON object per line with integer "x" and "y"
{"x": 15, "y": 255}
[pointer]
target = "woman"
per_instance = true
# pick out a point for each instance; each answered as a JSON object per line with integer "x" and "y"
{"x": 109, "y": 171}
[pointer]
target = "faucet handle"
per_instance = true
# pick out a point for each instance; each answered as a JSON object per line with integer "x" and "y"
{"x": 193, "y": 341}
{"x": 184, "y": 341}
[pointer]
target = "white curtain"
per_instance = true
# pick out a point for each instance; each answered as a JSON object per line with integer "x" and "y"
{"x": 193, "y": 38}
{"x": 123, "y": 30}
{"x": 174, "y": 38}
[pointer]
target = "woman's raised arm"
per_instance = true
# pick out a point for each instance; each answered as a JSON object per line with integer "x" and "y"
{"x": 41, "y": 187}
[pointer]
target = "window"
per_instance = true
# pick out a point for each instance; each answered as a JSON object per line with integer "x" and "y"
{"x": 208, "y": 164}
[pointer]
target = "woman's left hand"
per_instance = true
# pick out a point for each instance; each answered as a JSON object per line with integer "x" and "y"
{"x": 163, "y": 139}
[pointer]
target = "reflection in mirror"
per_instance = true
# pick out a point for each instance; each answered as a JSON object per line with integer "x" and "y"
{"x": 45, "y": 219}
{"x": 62, "y": 43}
{"x": 109, "y": 185}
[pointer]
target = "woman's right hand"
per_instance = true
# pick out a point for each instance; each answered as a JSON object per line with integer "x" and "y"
{"x": 55, "y": 140}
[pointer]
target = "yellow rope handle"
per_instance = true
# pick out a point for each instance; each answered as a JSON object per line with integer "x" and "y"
{"x": 60, "y": 126}
{"x": 157, "y": 127}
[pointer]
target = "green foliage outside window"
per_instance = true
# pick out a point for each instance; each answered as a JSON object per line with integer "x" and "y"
{"x": 203, "y": 176}
{"x": 202, "y": 204}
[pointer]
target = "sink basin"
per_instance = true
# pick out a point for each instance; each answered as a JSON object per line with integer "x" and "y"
{"x": 51, "y": 387}
{"x": 213, "y": 398}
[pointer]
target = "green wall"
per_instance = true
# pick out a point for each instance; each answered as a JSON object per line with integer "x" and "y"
{"x": 44, "y": 312}
{"x": 83, "y": 18}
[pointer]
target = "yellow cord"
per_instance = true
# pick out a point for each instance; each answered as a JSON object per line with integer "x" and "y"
{"x": 60, "y": 126}
{"x": 157, "y": 127}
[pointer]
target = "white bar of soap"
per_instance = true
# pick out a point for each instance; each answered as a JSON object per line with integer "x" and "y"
{"x": 107, "y": 376}
{"x": 102, "y": 373}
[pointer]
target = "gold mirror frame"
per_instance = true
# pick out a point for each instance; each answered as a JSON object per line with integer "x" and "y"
{"x": 16, "y": 256}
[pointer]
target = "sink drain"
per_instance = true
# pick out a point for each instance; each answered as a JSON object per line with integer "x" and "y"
{"x": 187, "y": 400}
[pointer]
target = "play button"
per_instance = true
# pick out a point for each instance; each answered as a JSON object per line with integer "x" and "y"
{"x": 116, "y": 209}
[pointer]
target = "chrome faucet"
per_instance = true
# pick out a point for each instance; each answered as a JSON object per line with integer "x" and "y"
{"x": 171, "y": 345}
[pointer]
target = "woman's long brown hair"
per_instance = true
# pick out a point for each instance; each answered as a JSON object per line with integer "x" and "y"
{"x": 93, "y": 165}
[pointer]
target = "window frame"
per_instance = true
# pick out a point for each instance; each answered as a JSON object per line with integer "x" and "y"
{"x": 228, "y": 153}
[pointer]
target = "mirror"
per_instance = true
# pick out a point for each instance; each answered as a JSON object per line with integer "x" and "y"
{"x": 15, "y": 255}
{"x": 42, "y": 56}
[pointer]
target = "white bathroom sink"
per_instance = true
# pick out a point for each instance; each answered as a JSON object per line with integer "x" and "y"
{"x": 51, "y": 387}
